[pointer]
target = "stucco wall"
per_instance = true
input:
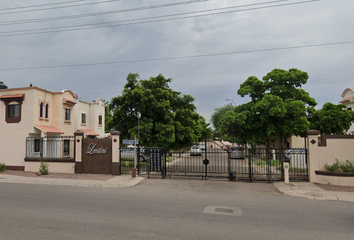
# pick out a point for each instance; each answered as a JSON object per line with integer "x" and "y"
{"x": 55, "y": 167}
{"x": 13, "y": 135}
{"x": 325, "y": 150}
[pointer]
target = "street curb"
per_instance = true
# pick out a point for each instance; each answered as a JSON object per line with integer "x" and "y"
{"x": 122, "y": 181}
{"x": 311, "y": 191}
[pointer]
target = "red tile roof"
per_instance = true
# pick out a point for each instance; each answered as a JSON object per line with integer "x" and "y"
{"x": 68, "y": 101}
{"x": 89, "y": 132}
{"x": 346, "y": 99}
{"x": 49, "y": 129}
{"x": 12, "y": 96}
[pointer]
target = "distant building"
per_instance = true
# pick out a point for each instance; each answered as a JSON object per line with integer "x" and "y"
{"x": 36, "y": 112}
{"x": 348, "y": 100}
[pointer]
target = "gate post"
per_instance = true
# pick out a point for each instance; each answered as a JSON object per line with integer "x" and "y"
{"x": 115, "y": 152}
{"x": 313, "y": 159}
{"x": 79, "y": 135}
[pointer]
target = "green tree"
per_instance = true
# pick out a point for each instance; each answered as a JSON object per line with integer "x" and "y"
{"x": 216, "y": 118}
{"x": 108, "y": 118}
{"x": 279, "y": 108}
{"x": 332, "y": 118}
{"x": 168, "y": 118}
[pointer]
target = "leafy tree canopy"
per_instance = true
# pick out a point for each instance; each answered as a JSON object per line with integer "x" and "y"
{"x": 278, "y": 108}
{"x": 216, "y": 117}
{"x": 168, "y": 118}
{"x": 332, "y": 118}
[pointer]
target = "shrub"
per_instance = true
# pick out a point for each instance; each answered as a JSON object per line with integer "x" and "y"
{"x": 347, "y": 166}
{"x": 43, "y": 168}
{"x": 2, "y": 167}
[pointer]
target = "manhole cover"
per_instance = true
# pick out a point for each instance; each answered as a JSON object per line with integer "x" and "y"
{"x": 223, "y": 210}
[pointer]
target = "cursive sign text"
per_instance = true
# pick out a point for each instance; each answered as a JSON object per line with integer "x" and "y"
{"x": 93, "y": 150}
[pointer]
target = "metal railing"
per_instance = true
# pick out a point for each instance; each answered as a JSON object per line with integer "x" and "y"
{"x": 50, "y": 147}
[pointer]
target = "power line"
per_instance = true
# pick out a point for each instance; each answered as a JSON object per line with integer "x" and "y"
{"x": 58, "y": 7}
{"x": 25, "y": 21}
{"x": 39, "y": 5}
{"x": 177, "y": 58}
{"x": 131, "y": 21}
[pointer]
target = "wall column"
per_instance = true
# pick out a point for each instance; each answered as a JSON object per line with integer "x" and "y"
{"x": 115, "y": 152}
{"x": 78, "y": 151}
{"x": 313, "y": 153}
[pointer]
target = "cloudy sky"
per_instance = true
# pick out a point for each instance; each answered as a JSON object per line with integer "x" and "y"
{"x": 207, "y": 47}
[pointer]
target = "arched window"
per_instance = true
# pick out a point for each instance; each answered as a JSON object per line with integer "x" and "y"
{"x": 47, "y": 110}
{"x": 41, "y": 110}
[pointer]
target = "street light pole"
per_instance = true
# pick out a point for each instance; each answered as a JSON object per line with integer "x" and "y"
{"x": 138, "y": 115}
{"x": 230, "y": 100}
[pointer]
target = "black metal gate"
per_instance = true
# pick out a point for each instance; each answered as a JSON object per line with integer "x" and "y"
{"x": 217, "y": 160}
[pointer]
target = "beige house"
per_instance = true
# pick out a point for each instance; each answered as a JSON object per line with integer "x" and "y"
{"x": 36, "y": 112}
{"x": 348, "y": 99}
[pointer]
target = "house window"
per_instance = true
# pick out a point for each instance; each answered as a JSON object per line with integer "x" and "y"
{"x": 37, "y": 145}
{"x": 41, "y": 110}
{"x": 66, "y": 148}
{"x": 67, "y": 114}
{"x": 83, "y": 118}
{"x": 349, "y": 108}
{"x": 47, "y": 111}
{"x": 14, "y": 111}
{"x": 13, "y": 106}
{"x": 100, "y": 120}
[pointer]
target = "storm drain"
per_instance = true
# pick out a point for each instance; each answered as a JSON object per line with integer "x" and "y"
{"x": 222, "y": 210}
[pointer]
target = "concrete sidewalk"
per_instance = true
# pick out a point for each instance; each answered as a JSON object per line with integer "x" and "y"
{"x": 122, "y": 181}
{"x": 309, "y": 190}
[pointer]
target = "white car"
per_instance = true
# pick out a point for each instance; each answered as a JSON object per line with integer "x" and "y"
{"x": 201, "y": 146}
{"x": 195, "y": 151}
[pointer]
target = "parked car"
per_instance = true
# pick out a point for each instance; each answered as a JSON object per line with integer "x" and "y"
{"x": 201, "y": 146}
{"x": 195, "y": 151}
{"x": 236, "y": 153}
{"x": 128, "y": 153}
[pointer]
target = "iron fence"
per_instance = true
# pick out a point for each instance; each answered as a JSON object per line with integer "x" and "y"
{"x": 254, "y": 164}
{"x": 50, "y": 147}
{"x": 146, "y": 160}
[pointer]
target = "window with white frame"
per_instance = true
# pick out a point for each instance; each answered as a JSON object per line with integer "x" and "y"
{"x": 67, "y": 114}
{"x": 83, "y": 118}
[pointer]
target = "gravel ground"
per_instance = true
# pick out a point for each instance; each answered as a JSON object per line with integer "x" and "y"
{"x": 100, "y": 177}
{"x": 335, "y": 188}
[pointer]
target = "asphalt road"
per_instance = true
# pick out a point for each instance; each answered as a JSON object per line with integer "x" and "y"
{"x": 169, "y": 209}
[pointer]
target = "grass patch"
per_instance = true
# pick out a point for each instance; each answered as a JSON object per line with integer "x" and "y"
{"x": 259, "y": 162}
{"x": 273, "y": 163}
{"x": 298, "y": 170}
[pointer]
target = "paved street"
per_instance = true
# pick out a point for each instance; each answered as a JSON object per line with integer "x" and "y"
{"x": 169, "y": 209}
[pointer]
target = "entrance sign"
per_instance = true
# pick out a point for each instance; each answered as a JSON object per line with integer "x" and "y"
{"x": 93, "y": 150}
